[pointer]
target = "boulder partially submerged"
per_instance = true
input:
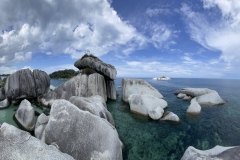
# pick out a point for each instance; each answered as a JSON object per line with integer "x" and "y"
{"x": 170, "y": 116}
{"x": 142, "y": 104}
{"x": 99, "y": 66}
{"x": 81, "y": 85}
{"x": 216, "y": 153}
{"x": 194, "y": 108}
{"x": 18, "y": 144}
{"x": 25, "y": 115}
{"x": 137, "y": 86}
{"x": 156, "y": 113}
{"x": 82, "y": 134}
{"x": 26, "y": 84}
{"x": 194, "y": 92}
{"x": 95, "y": 105}
{"x": 4, "y": 104}
{"x": 40, "y": 126}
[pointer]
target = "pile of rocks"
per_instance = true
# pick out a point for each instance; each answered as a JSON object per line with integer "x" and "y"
{"x": 145, "y": 100}
{"x": 199, "y": 97}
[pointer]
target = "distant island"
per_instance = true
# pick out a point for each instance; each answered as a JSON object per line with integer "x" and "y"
{"x": 63, "y": 74}
{"x": 162, "y": 78}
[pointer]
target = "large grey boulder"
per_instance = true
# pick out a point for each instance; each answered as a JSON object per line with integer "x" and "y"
{"x": 95, "y": 105}
{"x": 40, "y": 126}
{"x": 142, "y": 104}
{"x": 82, "y": 134}
{"x": 194, "y": 92}
{"x": 81, "y": 85}
{"x": 111, "y": 90}
{"x": 2, "y": 94}
{"x": 99, "y": 66}
{"x": 216, "y": 153}
{"x": 4, "y": 104}
{"x": 137, "y": 86}
{"x": 18, "y": 144}
{"x": 25, "y": 115}
{"x": 27, "y": 84}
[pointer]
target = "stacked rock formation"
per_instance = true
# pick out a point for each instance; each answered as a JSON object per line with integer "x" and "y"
{"x": 145, "y": 99}
{"x": 95, "y": 78}
{"x": 199, "y": 97}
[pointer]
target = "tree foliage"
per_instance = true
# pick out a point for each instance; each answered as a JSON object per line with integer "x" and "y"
{"x": 3, "y": 82}
{"x": 66, "y": 74}
{"x": 88, "y": 71}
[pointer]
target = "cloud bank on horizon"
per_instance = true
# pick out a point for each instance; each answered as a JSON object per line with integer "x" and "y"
{"x": 141, "y": 39}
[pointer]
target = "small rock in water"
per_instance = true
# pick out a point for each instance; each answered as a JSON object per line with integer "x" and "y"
{"x": 156, "y": 113}
{"x": 5, "y": 103}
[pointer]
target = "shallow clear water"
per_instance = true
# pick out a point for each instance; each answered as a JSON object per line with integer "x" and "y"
{"x": 145, "y": 139}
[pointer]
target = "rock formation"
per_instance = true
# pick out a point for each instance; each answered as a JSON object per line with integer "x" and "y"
{"x": 25, "y": 115}
{"x": 156, "y": 113}
{"x": 111, "y": 90}
{"x": 2, "y": 94}
{"x": 95, "y": 105}
{"x": 170, "y": 116}
{"x": 194, "y": 108}
{"x": 82, "y": 134}
{"x": 216, "y": 153}
{"x": 142, "y": 104}
{"x": 108, "y": 71}
{"x": 18, "y": 144}
{"x": 137, "y": 86}
{"x": 26, "y": 84}
{"x": 5, "y": 103}
{"x": 40, "y": 126}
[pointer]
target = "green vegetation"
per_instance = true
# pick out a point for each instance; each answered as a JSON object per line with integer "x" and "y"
{"x": 87, "y": 55}
{"x": 163, "y": 77}
{"x": 4, "y": 74}
{"x": 88, "y": 71}
{"x": 66, "y": 74}
{"x": 3, "y": 82}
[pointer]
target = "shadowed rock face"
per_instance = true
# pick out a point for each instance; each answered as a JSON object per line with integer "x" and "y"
{"x": 216, "y": 153}
{"x": 81, "y": 85}
{"x": 137, "y": 86}
{"x": 40, "y": 126}
{"x": 25, "y": 115}
{"x": 82, "y": 134}
{"x": 99, "y": 66}
{"x": 111, "y": 90}
{"x": 18, "y": 144}
{"x": 2, "y": 94}
{"x": 95, "y": 105}
{"x": 26, "y": 84}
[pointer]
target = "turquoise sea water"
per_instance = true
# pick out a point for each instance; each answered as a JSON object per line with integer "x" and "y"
{"x": 145, "y": 139}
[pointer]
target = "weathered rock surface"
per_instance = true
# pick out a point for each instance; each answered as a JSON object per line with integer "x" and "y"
{"x": 95, "y": 105}
{"x": 5, "y": 103}
{"x": 156, "y": 113}
{"x": 25, "y": 115}
{"x": 81, "y": 85}
{"x": 194, "y": 108}
{"x": 187, "y": 98}
{"x": 141, "y": 104}
{"x": 170, "y": 116}
{"x": 209, "y": 99}
{"x": 26, "y": 84}
{"x": 40, "y": 126}
{"x": 194, "y": 92}
{"x": 99, "y": 66}
{"x": 111, "y": 90}
{"x": 2, "y": 94}
{"x": 82, "y": 134}
{"x": 52, "y": 88}
{"x": 216, "y": 153}
{"x": 137, "y": 86}
{"x": 18, "y": 144}
{"x": 181, "y": 95}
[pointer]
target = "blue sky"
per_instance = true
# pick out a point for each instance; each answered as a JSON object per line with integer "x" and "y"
{"x": 143, "y": 38}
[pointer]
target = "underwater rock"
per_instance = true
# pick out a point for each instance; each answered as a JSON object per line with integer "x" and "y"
{"x": 216, "y": 153}
{"x": 81, "y": 85}
{"x": 111, "y": 90}
{"x": 40, "y": 126}
{"x": 4, "y": 104}
{"x": 194, "y": 108}
{"x": 107, "y": 70}
{"x": 181, "y": 95}
{"x": 170, "y": 116}
{"x": 156, "y": 113}
{"x": 27, "y": 84}
{"x": 25, "y": 115}
{"x": 141, "y": 104}
{"x": 95, "y": 105}
{"x": 18, "y": 144}
{"x": 137, "y": 86}
{"x": 2, "y": 94}
{"x": 82, "y": 134}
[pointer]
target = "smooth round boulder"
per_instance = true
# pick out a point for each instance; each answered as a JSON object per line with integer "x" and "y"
{"x": 194, "y": 108}
{"x": 187, "y": 98}
{"x": 2, "y": 94}
{"x": 25, "y": 115}
{"x": 194, "y": 92}
{"x": 4, "y": 104}
{"x": 137, "y": 86}
{"x": 209, "y": 99}
{"x": 181, "y": 95}
{"x": 170, "y": 116}
{"x": 141, "y": 104}
{"x": 156, "y": 113}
